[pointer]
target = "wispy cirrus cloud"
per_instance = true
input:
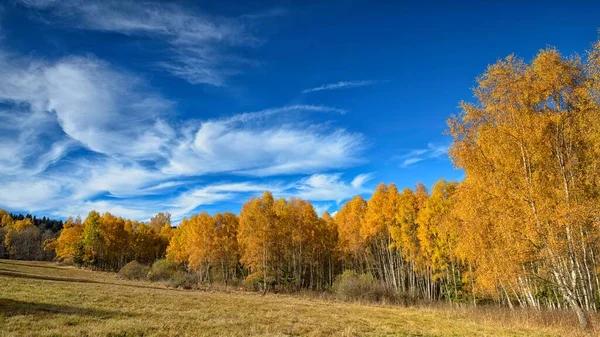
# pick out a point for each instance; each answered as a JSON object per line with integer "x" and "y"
{"x": 418, "y": 155}
{"x": 188, "y": 201}
{"x": 191, "y": 200}
{"x": 343, "y": 85}
{"x": 83, "y": 100}
{"x": 269, "y": 142}
{"x": 288, "y": 109}
{"x": 200, "y": 46}
{"x": 323, "y": 187}
{"x": 133, "y": 160}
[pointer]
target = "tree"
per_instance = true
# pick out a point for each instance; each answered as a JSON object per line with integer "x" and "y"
{"x": 93, "y": 243}
{"x": 204, "y": 242}
{"x": 350, "y": 243}
{"x": 201, "y": 242}
{"x": 404, "y": 235}
{"x": 226, "y": 249}
{"x": 115, "y": 241}
{"x": 379, "y": 220}
{"x": 161, "y": 225}
{"x": 258, "y": 232}
{"x": 330, "y": 238}
{"x": 69, "y": 244}
{"x": 23, "y": 241}
{"x": 145, "y": 243}
{"x": 437, "y": 239}
{"x": 530, "y": 151}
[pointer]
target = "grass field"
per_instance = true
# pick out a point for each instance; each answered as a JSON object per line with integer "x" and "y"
{"x": 44, "y": 299}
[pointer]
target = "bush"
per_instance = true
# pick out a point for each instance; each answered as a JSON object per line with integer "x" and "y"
{"x": 185, "y": 280}
{"x": 255, "y": 282}
{"x": 134, "y": 271}
{"x": 65, "y": 262}
{"x": 351, "y": 286}
{"x": 162, "y": 270}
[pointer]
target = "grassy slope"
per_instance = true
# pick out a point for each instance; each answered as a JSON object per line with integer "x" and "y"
{"x": 43, "y": 299}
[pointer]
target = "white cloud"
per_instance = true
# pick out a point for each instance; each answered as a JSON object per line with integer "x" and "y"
{"x": 324, "y": 187}
{"x": 140, "y": 212}
{"x": 23, "y": 149}
{"x": 342, "y": 85}
{"x": 77, "y": 130}
{"x": 61, "y": 196}
{"x": 260, "y": 148}
{"x": 78, "y": 100}
{"x": 198, "y": 43}
{"x": 187, "y": 202}
{"x": 30, "y": 194}
{"x": 25, "y": 123}
{"x": 108, "y": 112}
{"x": 288, "y": 109}
{"x": 322, "y": 208}
{"x": 54, "y": 107}
{"x": 414, "y": 156}
{"x": 71, "y": 196}
{"x": 117, "y": 178}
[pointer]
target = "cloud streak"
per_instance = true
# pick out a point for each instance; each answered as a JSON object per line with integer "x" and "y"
{"x": 250, "y": 144}
{"x": 343, "y": 85}
{"x": 324, "y": 187}
{"x": 80, "y": 100}
{"x": 200, "y": 46}
{"x": 415, "y": 156}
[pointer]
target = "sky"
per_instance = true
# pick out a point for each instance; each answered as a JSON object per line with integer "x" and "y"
{"x": 140, "y": 107}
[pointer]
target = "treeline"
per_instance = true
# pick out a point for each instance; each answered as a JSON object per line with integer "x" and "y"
{"x": 108, "y": 242}
{"x": 522, "y": 228}
{"x": 23, "y": 237}
{"x": 279, "y": 244}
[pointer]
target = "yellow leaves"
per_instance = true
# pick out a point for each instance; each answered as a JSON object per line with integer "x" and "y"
{"x": 203, "y": 241}
{"x": 550, "y": 73}
{"x": 380, "y": 215}
{"x": 5, "y": 218}
{"x": 404, "y": 233}
{"x": 227, "y": 227}
{"x": 258, "y": 231}
{"x": 529, "y": 148}
{"x": 283, "y": 240}
{"x": 349, "y": 221}
{"x": 435, "y": 231}
{"x": 68, "y": 242}
{"x": 108, "y": 242}
{"x": 21, "y": 225}
{"x": 177, "y": 249}
{"x": 18, "y": 225}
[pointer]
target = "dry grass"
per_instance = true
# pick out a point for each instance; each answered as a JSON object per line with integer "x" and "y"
{"x": 44, "y": 299}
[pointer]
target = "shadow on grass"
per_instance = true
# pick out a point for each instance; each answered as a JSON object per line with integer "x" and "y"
{"x": 11, "y": 273}
{"x": 26, "y": 264}
{"x": 9, "y": 308}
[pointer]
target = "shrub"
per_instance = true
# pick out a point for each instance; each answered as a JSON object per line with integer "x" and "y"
{"x": 162, "y": 270}
{"x": 351, "y": 286}
{"x": 65, "y": 262}
{"x": 185, "y": 280}
{"x": 134, "y": 271}
{"x": 255, "y": 282}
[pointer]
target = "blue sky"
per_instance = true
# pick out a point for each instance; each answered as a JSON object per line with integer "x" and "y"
{"x": 141, "y": 107}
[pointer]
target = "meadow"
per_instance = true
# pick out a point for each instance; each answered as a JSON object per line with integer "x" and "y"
{"x": 46, "y": 299}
